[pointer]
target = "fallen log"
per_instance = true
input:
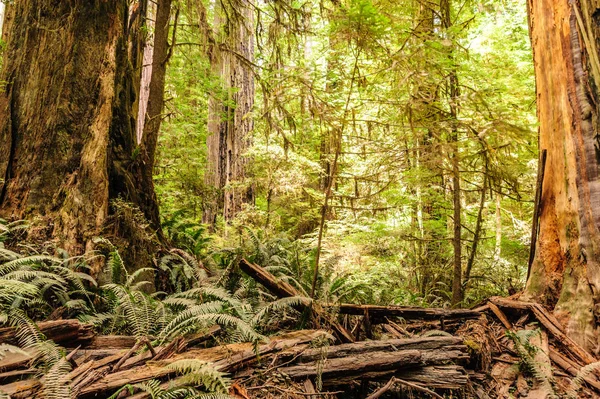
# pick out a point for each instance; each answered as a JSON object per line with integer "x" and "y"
{"x": 282, "y": 289}
{"x": 391, "y": 345}
{"x": 379, "y": 313}
{"x": 225, "y": 358}
{"x": 396, "y": 380}
{"x": 572, "y": 368}
{"x": 71, "y": 332}
{"x": 292, "y": 355}
{"x": 550, "y": 323}
{"x": 107, "y": 342}
{"x": 357, "y": 365}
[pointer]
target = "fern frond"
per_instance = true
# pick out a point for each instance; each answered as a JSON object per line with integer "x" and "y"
{"x": 15, "y": 264}
{"x": 188, "y": 316}
{"x": 134, "y": 276}
{"x": 200, "y": 373}
{"x": 56, "y": 382}
{"x": 283, "y": 303}
{"x": 577, "y": 382}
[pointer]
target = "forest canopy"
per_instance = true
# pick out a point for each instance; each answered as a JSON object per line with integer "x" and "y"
{"x": 360, "y": 96}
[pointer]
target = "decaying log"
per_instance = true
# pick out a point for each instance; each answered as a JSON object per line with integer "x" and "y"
{"x": 391, "y": 345}
{"x": 358, "y": 364}
{"x": 378, "y": 314}
{"x": 282, "y": 289}
{"x": 550, "y": 323}
{"x": 106, "y": 342}
{"x": 225, "y": 358}
{"x": 71, "y": 332}
{"x": 435, "y": 377}
{"x": 572, "y": 368}
{"x": 297, "y": 360}
{"x": 16, "y": 360}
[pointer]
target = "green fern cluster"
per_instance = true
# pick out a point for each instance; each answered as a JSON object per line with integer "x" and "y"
{"x": 527, "y": 352}
{"x": 132, "y": 310}
{"x": 40, "y": 283}
{"x": 199, "y": 380}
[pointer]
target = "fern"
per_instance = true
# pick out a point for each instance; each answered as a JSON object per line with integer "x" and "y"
{"x": 187, "y": 317}
{"x": 527, "y": 353}
{"x": 283, "y": 303}
{"x": 577, "y": 382}
{"x": 55, "y": 382}
{"x": 199, "y": 373}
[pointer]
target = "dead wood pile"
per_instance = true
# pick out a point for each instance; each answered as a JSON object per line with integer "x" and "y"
{"x": 375, "y": 351}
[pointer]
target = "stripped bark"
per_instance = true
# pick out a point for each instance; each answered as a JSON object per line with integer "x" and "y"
{"x": 565, "y": 273}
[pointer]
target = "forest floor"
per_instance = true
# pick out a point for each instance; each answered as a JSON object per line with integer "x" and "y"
{"x": 503, "y": 348}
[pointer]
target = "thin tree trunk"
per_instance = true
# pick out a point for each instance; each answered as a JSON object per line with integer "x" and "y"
{"x": 339, "y": 136}
{"x": 476, "y": 234}
{"x": 565, "y": 273}
{"x": 498, "y": 243}
{"x": 424, "y": 112}
{"x": 1, "y": 17}
{"x": 457, "y": 293}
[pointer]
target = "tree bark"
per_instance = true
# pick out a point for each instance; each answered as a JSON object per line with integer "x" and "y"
{"x": 146, "y": 71}
{"x": 154, "y": 110}
{"x": 498, "y": 238}
{"x": 67, "y": 126}
{"x": 1, "y": 17}
{"x": 565, "y": 274}
{"x": 230, "y": 122}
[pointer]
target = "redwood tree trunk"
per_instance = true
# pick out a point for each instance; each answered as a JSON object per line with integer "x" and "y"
{"x": 230, "y": 122}
{"x": 153, "y": 114}
{"x": 67, "y": 125}
{"x": 565, "y": 274}
{"x": 1, "y": 17}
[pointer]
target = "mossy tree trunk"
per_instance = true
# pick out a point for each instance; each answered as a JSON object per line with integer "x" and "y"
{"x": 67, "y": 118}
{"x": 230, "y": 122}
{"x": 565, "y": 274}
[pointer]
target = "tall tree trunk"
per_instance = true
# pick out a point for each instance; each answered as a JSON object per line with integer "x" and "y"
{"x": 154, "y": 110}
{"x": 67, "y": 130}
{"x": 476, "y": 235}
{"x": 230, "y": 122}
{"x": 1, "y": 17}
{"x": 452, "y": 93}
{"x": 424, "y": 120}
{"x": 565, "y": 274}
{"x": 146, "y": 70}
